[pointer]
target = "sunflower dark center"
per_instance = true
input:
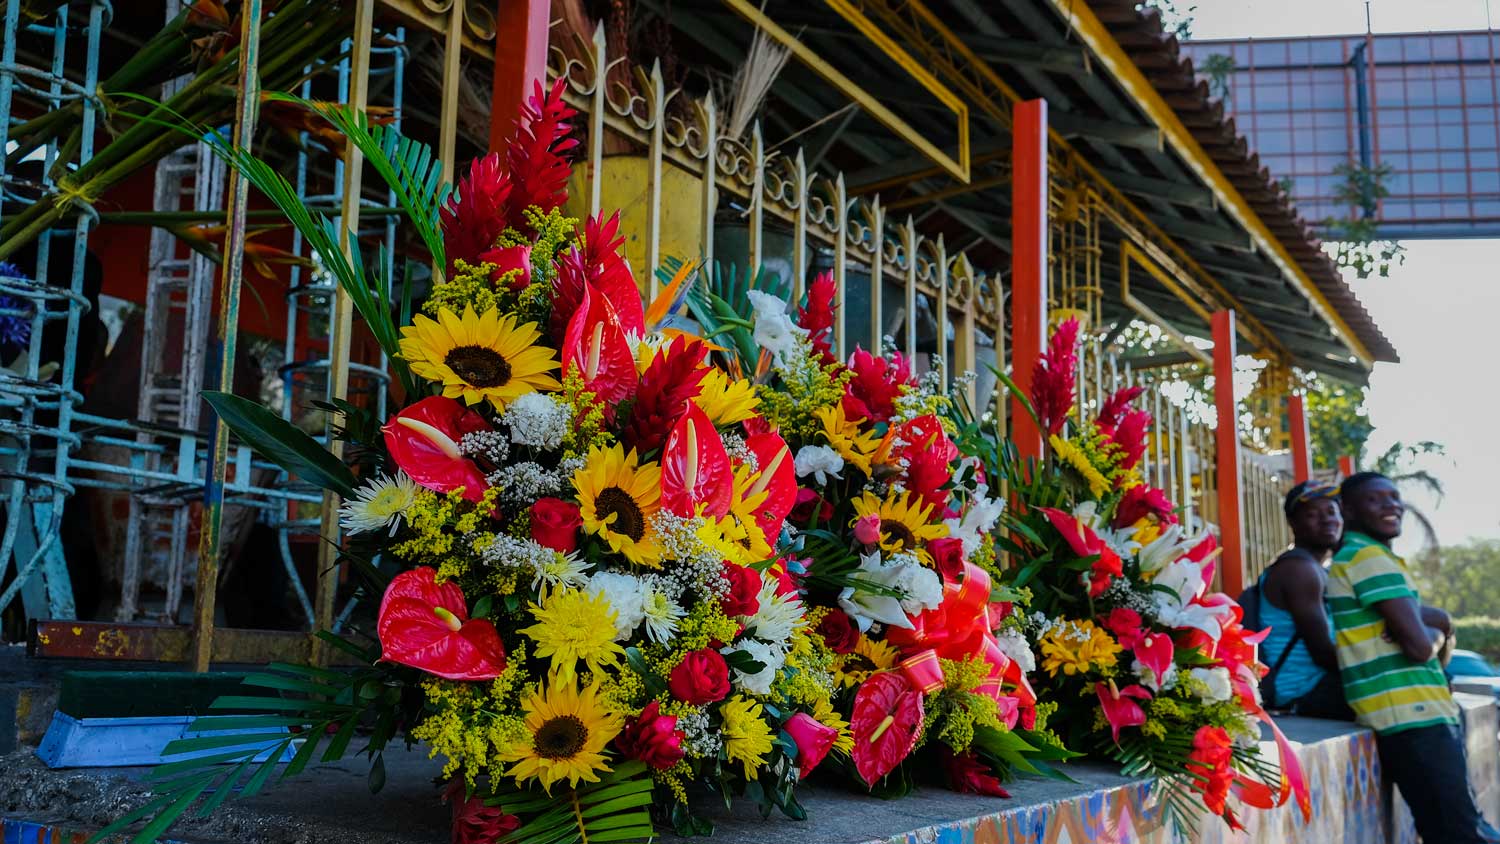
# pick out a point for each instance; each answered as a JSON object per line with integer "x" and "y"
{"x": 630, "y": 520}
{"x": 561, "y": 737}
{"x": 858, "y": 662}
{"x": 478, "y": 366}
{"x": 897, "y": 532}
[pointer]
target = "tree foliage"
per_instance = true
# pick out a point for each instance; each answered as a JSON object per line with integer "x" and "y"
{"x": 1461, "y": 578}
{"x": 1336, "y": 418}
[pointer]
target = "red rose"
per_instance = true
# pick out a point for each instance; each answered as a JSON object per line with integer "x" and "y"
{"x": 810, "y": 507}
{"x": 473, "y": 821}
{"x": 838, "y": 632}
{"x": 947, "y": 556}
{"x": 702, "y": 677}
{"x": 554, "y": 523}
{"x": 652, "y": 738}
{"x": 508, "y": 258}
{"x": 743, "y": 595}
{"x": 968, "y": 775}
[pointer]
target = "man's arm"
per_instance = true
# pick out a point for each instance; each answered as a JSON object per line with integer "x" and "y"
{"x": 1302, "y": 594}
{"x": 1403, "y": 623}
{"x": 1440, "y": 621}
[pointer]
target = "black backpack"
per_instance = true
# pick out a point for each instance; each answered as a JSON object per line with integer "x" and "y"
{"x": 1250, "y": 604}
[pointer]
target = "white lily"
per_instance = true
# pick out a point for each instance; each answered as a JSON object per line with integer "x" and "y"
{"x": 867, "y": 607}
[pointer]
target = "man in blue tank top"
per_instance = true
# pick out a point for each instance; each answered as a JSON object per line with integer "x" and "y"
{"x": 1304, "y": 676}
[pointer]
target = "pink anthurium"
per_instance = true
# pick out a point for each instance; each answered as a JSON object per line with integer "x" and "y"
{"x": 1119, "y": 708}
{"x": 777, "y": 478}
{"x": 595, "y": 348}
{"x": 695, "y": 469}
{"x": 813, "y": 738}
{"x": 426, "y": 625}
{"x": 423, "y": 440}
{"x": 1155, "y": 653}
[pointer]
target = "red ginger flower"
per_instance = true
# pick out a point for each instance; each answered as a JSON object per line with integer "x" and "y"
{"x": 1141, "y": 501}
{"x": 967, "y": 775}
{"x": 1130, "y": 437}
{"x": 426, "y": 625}
{"x": 1115, "y": 406}
{"x": 474, "y": 822}
{"x": 674, "y": 377}
{"x": 597, "y": 260}
{"x": 535, "y": 155}
{"x": 817, "y": 316}
{"x": 1053, "y": 377}
{"x": 871, "y": 394}
{"x": 477, "y": 211}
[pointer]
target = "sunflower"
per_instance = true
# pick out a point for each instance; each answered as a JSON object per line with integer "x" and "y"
{"x": 618, "y": 496}
{"x": 744, "y": 531}
{"x": 868, "y": 657}
{"x": 905, "y": 522}
{"x": 845, "y": 436}
{"x": 726, "y": 401}
{"x": 573, "y": 625}
{"x": 479, "y": 357}
{"x": 569, "y": 730}
{"x": 747, "y": 739}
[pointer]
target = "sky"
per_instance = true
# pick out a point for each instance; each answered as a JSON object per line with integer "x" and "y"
{"x": 1441, "y": 309}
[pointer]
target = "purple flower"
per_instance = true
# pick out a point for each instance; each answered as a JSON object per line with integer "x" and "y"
{"x": 15, "y": 316}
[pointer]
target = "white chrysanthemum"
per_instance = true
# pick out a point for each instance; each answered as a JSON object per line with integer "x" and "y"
{"x": 558, "y": 570}
{"x": 769, "y": 656}
{"x": 820, "y": 461}
{"x": 778, "y": 617}
{"x": 774, "y": 329}
{"x": 1217, "y": 682}
{"x": 378, "y": 504}
{"x": 537, "y": 420}
{"x": 661, "y": 614}
{"x": 1149, "y": 679}
{"x": 627, "y": 597}
{"x": 922, "y": 587}
{"x": 1014, "y": 646}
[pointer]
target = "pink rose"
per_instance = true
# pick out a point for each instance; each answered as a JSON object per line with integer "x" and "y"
{"x": 867, "y": 529}
{"x": 814, "y": 739}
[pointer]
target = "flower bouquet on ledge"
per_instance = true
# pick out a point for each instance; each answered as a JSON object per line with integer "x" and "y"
{"x": 894, "y": 557}
{"x": 575, "y": 527}
{"x": 1146, "y": 663}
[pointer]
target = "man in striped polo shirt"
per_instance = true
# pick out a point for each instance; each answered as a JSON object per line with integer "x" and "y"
{"x": 1388, "y": 648}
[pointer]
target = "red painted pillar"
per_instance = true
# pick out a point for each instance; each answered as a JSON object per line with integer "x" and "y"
{"x": 1231, "y": 504}
{"x": 1296, "y": 411}
{"x": 520, "y": 62}
{"x": 1028, "y": 261}
{"x": 1346, "y": 465}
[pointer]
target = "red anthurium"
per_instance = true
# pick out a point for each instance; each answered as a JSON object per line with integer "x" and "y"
{"x": 423, "y": 440}
{"x": 1085, "y": 543}
{"x": 777, "y": 478}
{"x": 1155, "y": 652}
{"x": 507, "y": 259}
{"x": 1119, "y": 709}
{"x": 595, "y": 347}
{"x": 928, "y": 471}
{"x": 426, "y": 625}
{"x": 813, "y": 739}
{"x": 597, "y": 260}
{"x": 886, "y": 721}
{"x": 695, "y": 468}
{"x": 968, "y": 775}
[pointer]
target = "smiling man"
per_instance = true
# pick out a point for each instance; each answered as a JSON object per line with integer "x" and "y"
{"x": 1389, "y": 652}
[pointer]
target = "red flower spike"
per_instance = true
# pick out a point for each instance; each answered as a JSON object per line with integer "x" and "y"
{"x": 477, "y": 211}
{"x": 1115, "y": 406}
{"x": 967, "y": 775}
{"x": 597, "y": 260}
{"x": 886, "y": 721}
{"x": 473, "y": 821}
{"x": 535, "y": 155}
{"x": 1211, "y": 759}
{"x": 595, "y": 347}
{"x": 674, "y": 377}
{"x": 1141, "y": 501}
{"x": 423, "y": 440}
{"x": 777, "y": 478}
{"x": 872, "y": 393}
{"x": 1119, "y": 709}
{"x": 1130, "y": 437}
{"x": 695, "y": 468}
{"x": 1053, "y": 377}
{"x": 813, "y": 739}
{"x": 426, "y": 625}
{"x": 817, "y": 316}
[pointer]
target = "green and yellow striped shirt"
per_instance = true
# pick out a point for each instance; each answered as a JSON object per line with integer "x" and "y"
{"x": 1388, "y": 692}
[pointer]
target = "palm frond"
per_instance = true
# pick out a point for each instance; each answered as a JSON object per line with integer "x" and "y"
{"x": 616, "y": 809}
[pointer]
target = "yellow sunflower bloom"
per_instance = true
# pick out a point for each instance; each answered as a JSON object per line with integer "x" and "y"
{"x": 726, "y": 401}
{"x": 747, "y": 738}
{"x": 868, "y": 657}
{"x": 905, "y": 523}
{"x": 1073, "y": 456}
{"x": 617, "y": 496}
{"x": 569, "y": 731}
{"x": 845, "y": 437}
{"x": 574, "y": 625}
{"x": 479, "y": 358}
{"x": 742, "y": 530}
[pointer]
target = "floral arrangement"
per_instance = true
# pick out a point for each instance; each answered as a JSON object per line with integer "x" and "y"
{"x": 894, "y": 531}
{"x": 1147, "y": 664}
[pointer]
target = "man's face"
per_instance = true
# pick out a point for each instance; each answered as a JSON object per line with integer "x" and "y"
{"x": 1318, "y": 523}
{"x": 1377, "y": 507}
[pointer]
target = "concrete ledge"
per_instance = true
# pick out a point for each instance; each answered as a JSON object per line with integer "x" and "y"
{"x": 330, "y": 804}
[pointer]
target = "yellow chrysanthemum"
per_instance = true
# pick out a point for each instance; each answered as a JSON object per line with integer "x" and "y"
{"x": 747, "y": 737}
{"x": 844, "y": 435}
{"x": 905, "y": 523}
{"x": 480, "y": 358}
{"x": 574, "y": 625}
{"x": 1072, "y": 456}
{"x": 868, "y": 657}
{"x": 568, "y": 730}
{"x": 617, "y": 496}
{"x": 726, "y": 401}
{"x": 824, "y": 713}
{"x": 1077, "y": 647}
{"x": 1146, "y": 530}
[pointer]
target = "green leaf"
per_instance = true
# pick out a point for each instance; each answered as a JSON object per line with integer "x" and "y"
{"x": 482, "y": 606}
{"x": 1019, "y": 395}
{"x": 282, "y": 443}
{"x": 376, "y": 779}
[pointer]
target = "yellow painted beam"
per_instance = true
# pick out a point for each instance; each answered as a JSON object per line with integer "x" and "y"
{"x": 1081, "y": 20}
